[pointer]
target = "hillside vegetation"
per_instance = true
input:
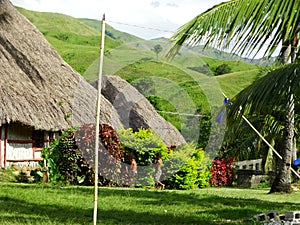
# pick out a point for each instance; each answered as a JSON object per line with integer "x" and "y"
{"x": 186, "y": 84}
{"x": 76, "y": 42}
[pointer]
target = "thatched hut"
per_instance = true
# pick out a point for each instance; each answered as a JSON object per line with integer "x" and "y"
{"x": 40, "y": 94}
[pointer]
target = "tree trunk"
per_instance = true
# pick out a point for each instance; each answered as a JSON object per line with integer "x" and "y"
{"x": 282, "y": 182}
{"x": 286, "y": 52}
{"x": 294, "y": 49}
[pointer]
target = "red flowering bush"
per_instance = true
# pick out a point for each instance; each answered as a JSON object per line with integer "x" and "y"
{"x": 110, "y": 152}
{"x": 71, "y": 158}
{"x": 222, "y": 172}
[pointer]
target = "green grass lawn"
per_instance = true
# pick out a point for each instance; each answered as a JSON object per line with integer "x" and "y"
{"x": 46, "y": 204}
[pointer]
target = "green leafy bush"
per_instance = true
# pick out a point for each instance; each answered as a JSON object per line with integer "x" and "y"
{"x": 184, "y": 167}
{"x": 192, "y": 168}
{"x": 144, "y": 145}
{"x": 222, "y": 69}
{"x": 65, "y": 162}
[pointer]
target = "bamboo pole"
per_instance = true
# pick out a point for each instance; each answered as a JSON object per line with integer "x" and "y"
{"x": 279, "y": 156}
{"x": 98, "y": 121}
{"x": 262, "y": 137}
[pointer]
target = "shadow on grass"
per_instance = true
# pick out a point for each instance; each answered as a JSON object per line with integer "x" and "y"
{"x": 142, "y": 207}
{"x": 15, "y": 210}
{"x": 205, "y": 209}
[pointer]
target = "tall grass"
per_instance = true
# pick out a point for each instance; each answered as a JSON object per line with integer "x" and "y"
{"x": 45, "y": 204}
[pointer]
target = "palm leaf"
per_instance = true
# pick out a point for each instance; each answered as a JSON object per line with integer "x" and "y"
{"x": 250, "y": 24}
{"x": 268, "y": 95}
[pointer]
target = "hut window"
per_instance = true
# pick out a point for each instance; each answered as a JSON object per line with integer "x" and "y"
{"x": 51, "y": 136}
{"x": 38, "y": 138}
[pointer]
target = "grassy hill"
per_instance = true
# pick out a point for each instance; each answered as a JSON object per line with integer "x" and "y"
{"x": 179, "y": 85}
{"x": 75, "y": 41}
{"x": 110, "y": 31}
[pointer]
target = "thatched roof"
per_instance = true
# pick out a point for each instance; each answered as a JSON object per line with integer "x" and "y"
{"x": 37, "y": 88}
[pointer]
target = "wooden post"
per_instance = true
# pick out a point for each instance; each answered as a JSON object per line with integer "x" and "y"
{"x": 45, "y": 172}
{"x": 270, "y": 146}
{"x": 98, "y": 120}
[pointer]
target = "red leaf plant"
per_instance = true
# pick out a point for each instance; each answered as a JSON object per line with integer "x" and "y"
{"x": 111, "y": 153}
{"x": 222, "y": 172}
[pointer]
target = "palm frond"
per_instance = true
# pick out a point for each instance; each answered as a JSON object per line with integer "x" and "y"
{"x": 250, "y": 24}
{"x": 268, "y": 95}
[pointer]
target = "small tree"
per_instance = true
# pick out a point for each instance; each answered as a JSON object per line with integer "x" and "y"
{"x": 222, "y": 69}
{"x": 157, "y": 49}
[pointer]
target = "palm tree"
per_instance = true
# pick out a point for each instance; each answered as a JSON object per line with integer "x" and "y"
{"x": 272, "y": 95}
{"x": 249, "y": 27}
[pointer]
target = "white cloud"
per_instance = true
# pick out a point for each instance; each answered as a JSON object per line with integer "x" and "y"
{"x": 139, "y": 15}
{"x": 172, "y": 4}
{"x": 155, "y": 4}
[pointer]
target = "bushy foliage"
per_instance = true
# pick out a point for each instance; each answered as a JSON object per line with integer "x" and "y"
{"x": 65, "y": 162}
{"x": 184, "y": 167}
{"x": 188, "y": 168}
{"x": 222, "y": 69}
{"x": 110, "y": 152}
{"x": 222, "y": 172}
{"x": 70, "y": 159}
{"x": 144, "y": 145}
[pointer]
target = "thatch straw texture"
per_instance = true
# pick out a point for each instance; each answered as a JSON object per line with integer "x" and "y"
{"x": 37, "y": 88}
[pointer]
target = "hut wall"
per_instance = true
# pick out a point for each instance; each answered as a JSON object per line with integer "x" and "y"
{"x": 2, "y": 138}
{"x": 19, "y": 143}
{"x": 22, "y": 145}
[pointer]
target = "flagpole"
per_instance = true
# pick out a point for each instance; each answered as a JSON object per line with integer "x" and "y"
{"x": 279, "y": 156}
{"x": 98, "y": 120}
{"x": 262, "y": 137}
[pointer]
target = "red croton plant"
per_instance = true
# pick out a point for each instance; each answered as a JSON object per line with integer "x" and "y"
{"x": 222, "y": 172}
{"x": 111, "y": 153}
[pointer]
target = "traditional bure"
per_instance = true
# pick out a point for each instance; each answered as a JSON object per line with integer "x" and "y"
{"x": 41, "y": 95}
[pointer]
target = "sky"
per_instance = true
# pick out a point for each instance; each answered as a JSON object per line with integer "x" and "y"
{"x": 147, "y": 19}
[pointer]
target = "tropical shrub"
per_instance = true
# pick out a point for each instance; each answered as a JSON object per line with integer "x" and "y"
{"x": 191, "y": 165}
{"x": 222, "y": 172}
{"x": 65, "y": 162}
{"x": 70, "y": 159}
{"x": 143, "y": 145}
{"x": 110, "y": 152}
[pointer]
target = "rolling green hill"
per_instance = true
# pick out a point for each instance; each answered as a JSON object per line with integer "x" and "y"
{"x": 177, "y": 85}
{"x": 75, "y": 41}
{"x": 110, "y": 31}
